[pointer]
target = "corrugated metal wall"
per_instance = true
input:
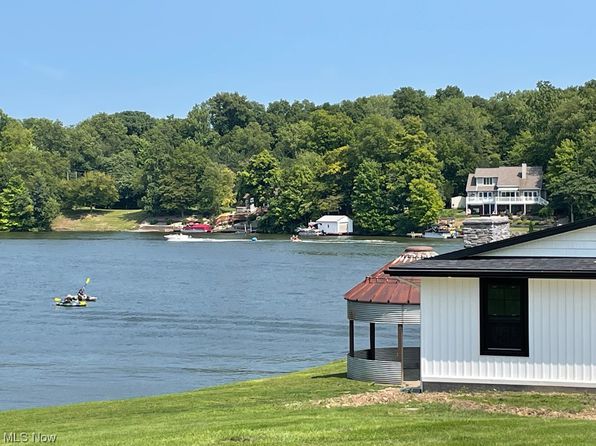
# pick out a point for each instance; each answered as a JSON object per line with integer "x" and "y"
{"x": 384, "y": 313}
{"x": 580, "y": 243}
{"x": 562, "y": 335}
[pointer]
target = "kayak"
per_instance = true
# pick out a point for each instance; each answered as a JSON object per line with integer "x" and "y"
{"x": 71, "y": 304}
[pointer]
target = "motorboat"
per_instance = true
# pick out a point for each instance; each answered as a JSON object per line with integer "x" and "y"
{"x": 311, "y": 230}
{"x": 193, "y": 228}
{"x": 177, "y": 237}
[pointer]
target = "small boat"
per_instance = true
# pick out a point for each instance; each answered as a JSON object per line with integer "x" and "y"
{"x": 74, "y": 304}
{"x": 194, "y": 228}
{"x": 311, "y": 230}
{"x": 177, "y": 237}
{"x": 295, "y": 238}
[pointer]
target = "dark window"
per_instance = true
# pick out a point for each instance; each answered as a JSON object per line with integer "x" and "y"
{"x": 504, "y": 317}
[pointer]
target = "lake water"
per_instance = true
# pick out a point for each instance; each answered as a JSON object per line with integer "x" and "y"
{"x": 173, "y": 316}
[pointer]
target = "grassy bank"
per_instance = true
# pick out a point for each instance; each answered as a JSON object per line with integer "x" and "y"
{"x": 316, "y": 407}
{"x": 100, "y": 220}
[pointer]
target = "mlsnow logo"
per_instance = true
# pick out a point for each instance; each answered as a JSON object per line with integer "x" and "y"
{"x": 28, "y": 437}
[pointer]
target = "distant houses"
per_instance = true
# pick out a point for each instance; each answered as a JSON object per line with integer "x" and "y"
{"x": 513, "y": 189}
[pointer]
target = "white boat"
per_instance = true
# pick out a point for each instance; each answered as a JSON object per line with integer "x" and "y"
{"x": 310, "y": 230}
{"x": 177, "y": 237}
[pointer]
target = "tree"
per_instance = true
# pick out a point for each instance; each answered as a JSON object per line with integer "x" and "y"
{"x": 570, "y": 182}
{"x": 94, "y": 189}
{"x": 298, "y": 200}
{"x": 294, "y": 138}
{"x": 216, "y": 188}
{"x": 332, "y": 130}
{"x": 372, "y": 210}
{"x": 229, "y": 110}
{"x": 14, "y": 136}
{"x": 409, "y": 102}
{"x": 242, "y": 143}
{"x": 425, "y": 203}
{"x": 16, "y": 207}
{"x": 45, "y": 203}
{"x": 260, "y": 177}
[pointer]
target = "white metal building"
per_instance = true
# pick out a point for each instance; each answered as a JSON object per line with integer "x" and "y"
{"x": 516, "y": 312}
{"x": 335, "y": 224}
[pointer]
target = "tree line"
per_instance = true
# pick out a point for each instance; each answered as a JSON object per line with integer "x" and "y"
{"x": 389, "y": 161}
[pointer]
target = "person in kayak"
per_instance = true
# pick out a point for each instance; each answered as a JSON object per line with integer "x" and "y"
{"x": 81, "y": 294}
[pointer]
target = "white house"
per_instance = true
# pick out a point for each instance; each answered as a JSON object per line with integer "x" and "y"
{"x": 335, "y": 224}
{"x": 515, "y": 312}
{"x": 507, "y": 188}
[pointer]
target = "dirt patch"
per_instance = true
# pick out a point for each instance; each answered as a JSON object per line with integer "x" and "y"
{"x": 457, "y": 401}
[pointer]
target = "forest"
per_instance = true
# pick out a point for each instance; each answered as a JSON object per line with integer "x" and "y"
{"x": 392, "y": 161}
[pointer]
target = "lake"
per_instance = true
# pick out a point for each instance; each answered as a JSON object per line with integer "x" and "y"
{"x": 174, "y": 316}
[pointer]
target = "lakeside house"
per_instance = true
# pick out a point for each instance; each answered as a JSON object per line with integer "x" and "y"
{"x": 508, "y": 188}
{"x": 335, "y": 224}
{"x": 516, "y": 313}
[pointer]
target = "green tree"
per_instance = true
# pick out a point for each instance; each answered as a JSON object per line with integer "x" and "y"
{"x": 16, "y": 206}
{"x": 298, "y": 200}
{"x": 216, "y": 188}
{"x": 372, "y": 210}
{"x": 229, "y": 110}
{"x": 332, "y": 130}
{"x": 45, "y": 204}
{"x": 424, "y": 203}
{"x": 409, "y": 102}
{"x": 260, "y": 177}
{"x": 14, "y": 136}
{"x": 94, "y": 189}
{"x": 571, "y": 182}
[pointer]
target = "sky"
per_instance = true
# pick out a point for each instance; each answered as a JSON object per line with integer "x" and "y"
{"x": 68, "y": 60}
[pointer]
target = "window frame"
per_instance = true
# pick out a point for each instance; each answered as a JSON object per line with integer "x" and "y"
{"x": 485, "y": 350}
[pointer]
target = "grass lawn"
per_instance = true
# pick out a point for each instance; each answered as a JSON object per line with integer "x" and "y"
{"x": 284, "y": 411}
{"x": 100, "y": 220}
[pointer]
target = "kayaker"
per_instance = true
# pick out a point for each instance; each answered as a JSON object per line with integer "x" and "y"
{"x": 81, "y": 294}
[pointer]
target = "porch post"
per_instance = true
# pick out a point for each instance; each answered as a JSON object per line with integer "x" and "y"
{"x": 371, "y": 332}
{"x": 400, "y": 348}
{"x": 351, "y": 338}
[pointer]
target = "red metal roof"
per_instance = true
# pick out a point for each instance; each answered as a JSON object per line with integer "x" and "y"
{"x": 382, "y": 288}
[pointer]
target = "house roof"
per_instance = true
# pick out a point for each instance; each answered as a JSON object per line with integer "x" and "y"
{"x": 532, "y": 267}
{"x": 548, "y": 232}
{"x": 507, "y": 176}
{"x": 466, "y": 262}
{"x": 332, "y": 218}
{"x": 383, "y": 288}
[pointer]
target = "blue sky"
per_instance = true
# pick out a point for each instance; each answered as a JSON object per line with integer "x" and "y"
{"x": 70, "y": 59}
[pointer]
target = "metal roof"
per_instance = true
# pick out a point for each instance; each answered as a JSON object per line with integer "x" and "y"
{"x": 384, "y": 288}
{"x": 530, "y": 236}
{"x": 530, "y": 267}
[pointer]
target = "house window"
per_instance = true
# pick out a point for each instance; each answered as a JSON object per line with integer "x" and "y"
{"x": 487, "y": 181}
{"x": 504, "y": 317}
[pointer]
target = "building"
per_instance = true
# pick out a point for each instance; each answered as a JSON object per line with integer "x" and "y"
{"x": 515, "y": 313}
{"x": 512, "y": 189}
{"x": 388, "y": 300}
{"x": 335, "y": 224}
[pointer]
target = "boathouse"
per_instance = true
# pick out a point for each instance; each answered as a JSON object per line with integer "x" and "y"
{"x": 516, "y": 313}
{"x": 384, "y": 299}
{"x": 335, "y": 224}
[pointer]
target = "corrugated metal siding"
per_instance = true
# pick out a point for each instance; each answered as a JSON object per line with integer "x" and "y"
{"x": 384, "y": 313}
{"x": 383, "y": 369}
{"x": 580, "y": 243}
{"x": 562, "y": 335}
